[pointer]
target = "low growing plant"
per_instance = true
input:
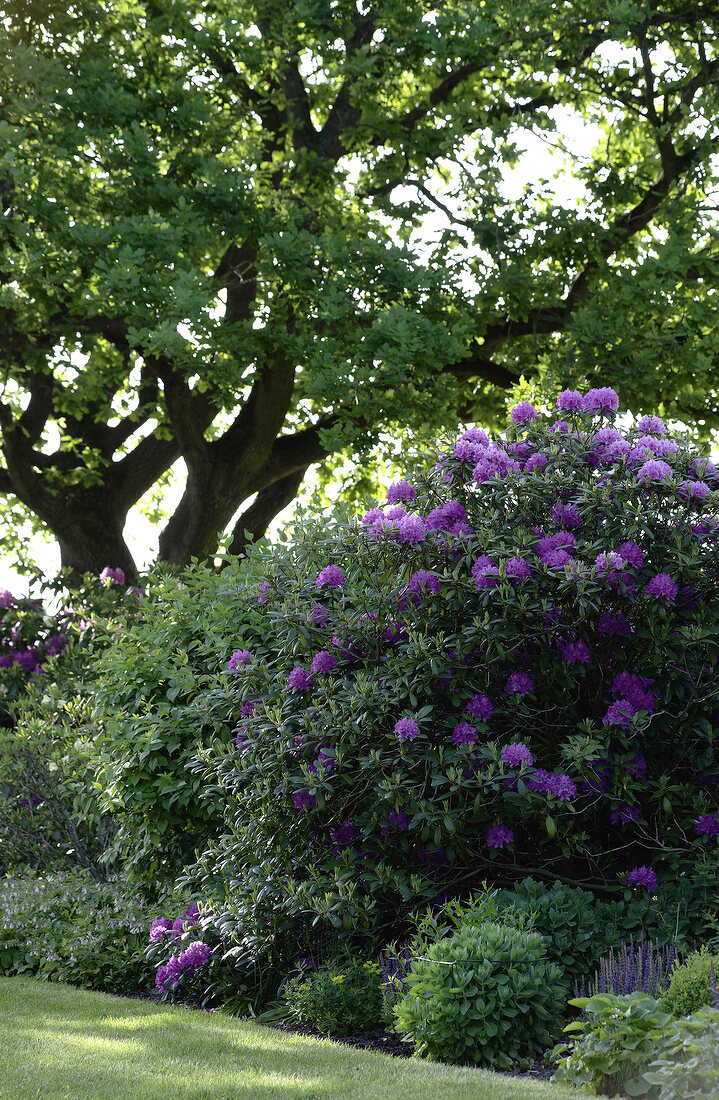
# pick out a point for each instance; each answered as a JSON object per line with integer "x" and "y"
{"x": 66, "y": 927}
{"x": 338, "y": 998}
{"x": 692, "y": 983}
{"x": 618, "y": 1038}
{"x": 688, "y": 1066}
{"x": 484, "y": 995}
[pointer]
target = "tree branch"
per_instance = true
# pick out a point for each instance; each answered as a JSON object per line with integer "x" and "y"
{"x": 268, "y": 503}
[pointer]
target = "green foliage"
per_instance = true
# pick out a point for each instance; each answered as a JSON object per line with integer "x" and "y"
{"x": 619, "y": 1036}
{"x": 338, "y": 998}
{"x": 687, "y": 1067}
{"x": 67, "y": 928}
{"x": 50, "y": 813}
{"x": 240, "y": 269}
{"x": 690, "y": 986}
{"x": 160, "y": 692}
{"x": 485, "y": 994}
{"x": 580, "y": 928}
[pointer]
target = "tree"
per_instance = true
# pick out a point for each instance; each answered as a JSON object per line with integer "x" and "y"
{"x": 210, "y": 245}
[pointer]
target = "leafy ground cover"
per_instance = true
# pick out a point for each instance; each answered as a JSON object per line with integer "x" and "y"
{"x": 70, "y": 1042}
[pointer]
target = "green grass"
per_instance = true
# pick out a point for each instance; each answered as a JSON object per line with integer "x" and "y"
{"x": 58, "y": 1041}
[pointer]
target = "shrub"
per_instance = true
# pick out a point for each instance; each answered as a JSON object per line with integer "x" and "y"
{"x": 338, "y": 998}
{"x": 620, "y": 1035}
{"x": 485, "y": 994}
{"x": 68, "y": 928}
{"x": 162, "y": 691}
{"x": 687, "y": 1068}
{"x": 517, "y": 674}
{"x": 435, "y": 924}
{"x": 692, "y": 984}
{"x": 49, "y": 810}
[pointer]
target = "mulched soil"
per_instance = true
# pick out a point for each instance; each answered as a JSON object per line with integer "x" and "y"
{"x": 381, "y": 1040}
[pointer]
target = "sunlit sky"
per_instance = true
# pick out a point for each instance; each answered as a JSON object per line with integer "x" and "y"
{"x": 540, "y": 159}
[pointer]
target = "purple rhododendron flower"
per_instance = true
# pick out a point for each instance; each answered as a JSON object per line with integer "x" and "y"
{"x": 249, "y": 708}
{"x": 651, "y": 425}
{"x": 558, "y": 559}
{"x": 516, "y": 754}
{"x": 518, "y": 568}
{"x": 519, "y": 683}
{"x": 411, "y": 530}
{"x": 464, "y": 734}
{"x": 495, "y": 463}
{"x": 159, "y": 929}
{"x": 642, "y": 876}
{"x": 707, "y": 825}
{"x": 624, "y": 814}
{"x": 303, "y": 800}
{"x": 195, "y": 954}
{"x": 637, "y": 766}
{"x": 654, "y": 470}
{"x": 566, "y": 515}
{"x": 570, "y": 401}
{"x": 614, "y": 623}
{"x": 324, "y": 662}
{"x": 476, "y": 435}
{"x": 423, "y": 582}
{"x": 406, "y": 729}
{"x": 632, "y": 554}
{"x": 319, "y": 615}
{"x": 662, "y": 585}
{"x": 299, "y": 680}
{"x": 485, "y": 572}
{"x": 601, "y": 400}
{"x": 263, "y": 592}
{"x": 241, "y": 739}
{"x": 499, "y": 836}
{"x": 400, "y": 490}
{"x": 112, "y": 576}
{"x": 523, "y": 412}
{"x": 535, "y": 463}
{"x": 562, "y": 787}
{"x": 239, "y": 657}
{"x": 620, "y": 714}
{"x": 6, "y": 599}
{"x": 397, "y": 820}
{"x": 560, "y": 540}
{"x": 345, "y": 834}
{"x": 332, "y": 576}
{"x": 480, "y": 706}
{"x": 609, "y": 561}
{"x": 465, "y": 450}
{"x": 373, "y": 516}
{"x": 575, "y": 652}
{"x": 694, "y": 490}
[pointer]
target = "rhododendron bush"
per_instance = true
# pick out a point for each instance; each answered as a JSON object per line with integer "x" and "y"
{"x": 509, "y": 666}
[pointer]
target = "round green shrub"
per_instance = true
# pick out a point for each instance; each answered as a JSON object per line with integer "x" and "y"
{"x": 485, "y": 995}
{"x": 690, "y": 984}
{"x": 509, "y": 667}
{"x": 687, "y": 1065}
{"x": 337, "y": 998}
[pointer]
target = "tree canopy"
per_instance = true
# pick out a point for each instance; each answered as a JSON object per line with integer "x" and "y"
{"x": 212, "y": 243}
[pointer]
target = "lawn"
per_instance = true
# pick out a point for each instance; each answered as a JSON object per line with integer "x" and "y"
{"x": 60, "y": 1041}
